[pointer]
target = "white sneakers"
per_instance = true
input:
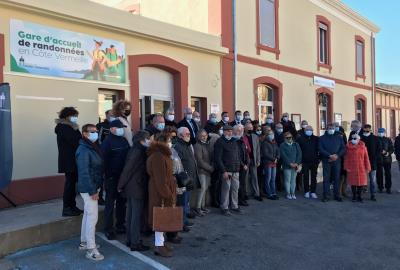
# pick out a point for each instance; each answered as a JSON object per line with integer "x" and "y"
{"x": 94, "y": 254}
{"x": 83, "y": 246}
{"x": 307, "y": 195}
{"x": 294, "y": 197}
{"x": 291, "y": 197}
{"x": 314, "y": 196}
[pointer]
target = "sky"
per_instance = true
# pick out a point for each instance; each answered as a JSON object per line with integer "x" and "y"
{"x": 386, "y": 15}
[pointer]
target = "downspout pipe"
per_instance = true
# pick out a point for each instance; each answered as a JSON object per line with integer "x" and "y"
{"x": 373, "y": 80}
{"x": 234, "y": 53}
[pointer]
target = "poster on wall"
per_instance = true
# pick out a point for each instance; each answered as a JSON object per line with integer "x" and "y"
{"x": 40, "y": 50}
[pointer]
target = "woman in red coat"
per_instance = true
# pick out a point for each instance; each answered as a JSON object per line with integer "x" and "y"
{"x": 356, "y": 163}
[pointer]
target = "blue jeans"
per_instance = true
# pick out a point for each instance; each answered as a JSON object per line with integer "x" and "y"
{"x": 269, "y": 180}
{"x": 183, "y": 200}
{"x": 372, "y": 182}
{"x": 331, "y": 171}
{"x": 289, "y": 176}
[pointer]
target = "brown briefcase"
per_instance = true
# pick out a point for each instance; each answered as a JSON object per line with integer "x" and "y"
{"x": 167, "y": 219}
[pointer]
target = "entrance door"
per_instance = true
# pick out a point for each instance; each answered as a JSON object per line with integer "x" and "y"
{"x": 323, "y": 102}
{"x": 106, "y": 99}
{"x": 150, "y": 105}
{"x": 265, "y": 95}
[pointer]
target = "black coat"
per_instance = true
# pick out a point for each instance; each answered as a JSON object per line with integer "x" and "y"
{"x": 244, "y": 156}
{"x": 134, "y": 179}
{"x": 170, "y": 124}
{"x": 188, "y": 160}
{"x": 279, "y": 138}
{"x": 227, "y": 155}
{"x": 387, "y": 145}
{"x": 210, "y": 127}
{"x": 354, "y": 132}
{"x": 397, "y": 147}
{"x": 309, "y": 149}
{"x": 374, "y": 149}
{"x": 68, "y": 136}
{"x": 289, "y": 126}
{"x": 114, "y": 149}
{"x": 193, "y": 131}
{"x": 104, "y": 130}
{"x": 152, "y": 130}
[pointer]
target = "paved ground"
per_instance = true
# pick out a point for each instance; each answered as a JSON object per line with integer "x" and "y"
{"x": 302, "y": 234}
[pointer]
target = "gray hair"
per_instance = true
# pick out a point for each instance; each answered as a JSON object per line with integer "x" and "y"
{"x": 169, "y": 110}
{"x": 200, "y": 132}
{"x": 212, "y": 115}
{"x": 181, "y": 130}
{"x": 187, "y": 110}
{"x": 238, "y": 127}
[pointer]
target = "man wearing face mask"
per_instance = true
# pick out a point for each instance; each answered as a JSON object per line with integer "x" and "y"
{"x": 170, "y": 118}
{"x": 331, "y": 149}
{"x": 114, "y": 149}
{"x": 270, "y": 122}
{"x": 384, "y": 162}
{"x": 227, "y": 162}
{"x": 189, "y": 123}
{"x": 224, "y": 119}
{"x": 288, "y": 125}
{"x": 301, "y": 131}
{"x": 68, "y": 136}
{"x": 185, "y": 151}
{"x": 197, "y": 119}
{"x": 212, "y": 124}
{"x": 374, "y": 152}
{"x": 279, "y": 139}
{"x": 133, "y": 185}
{"x": 252, "y": 144}
{"x": 244, "y": 165}
{"x": 238, "y": 119}
{"x": 246, "y": 118}
{"x": 356, "y": 128}
{"x": 270, "y": 154}
{"x": 310, "y": 160}
{"x": 157, "y": 125}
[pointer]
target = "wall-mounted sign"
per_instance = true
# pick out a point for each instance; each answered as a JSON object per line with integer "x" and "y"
{"x": 42, "y": 50}
{"x": 320, "y": 81}
{"x": 214, "y": 108}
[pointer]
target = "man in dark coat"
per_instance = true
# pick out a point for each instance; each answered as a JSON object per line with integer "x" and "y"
{"x": 157, "y": 124}
{"x": 185, "y": 151}
{"x": 374, "y": 152}
{"x": 104, "y": 127}
{"x": 356, "y": 128}
{"x": 212, "y": 124}
{"x": 68, "y": 136}
{"x": 310, "y": 160}
{"x": 238, "y": 119}
{"x": 288, "y": 125}
{"x": 189, "y": 123}
{"x": 384, "y": 162}
{"x": 114, "y": 149}
{"x": 224, "y": 119}
{"x": 170, "y": 118}
{"x": 133, "y": 185}
{"x": 331, "y": 149}
{"x": 244, "y": 165}
{"x": 279, "y": 139}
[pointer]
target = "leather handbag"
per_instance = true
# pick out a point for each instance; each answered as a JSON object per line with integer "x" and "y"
{"x": 184, "y": 180}
{"x": 167, "y": 219}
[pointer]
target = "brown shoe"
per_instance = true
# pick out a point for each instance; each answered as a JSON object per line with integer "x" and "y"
{"x": 169, "y": 246}
{"x": 163, "y": 252}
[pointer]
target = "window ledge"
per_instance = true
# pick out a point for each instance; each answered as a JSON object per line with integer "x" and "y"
{"x": 276, "y": 51}
{"x": 326, "y": 66}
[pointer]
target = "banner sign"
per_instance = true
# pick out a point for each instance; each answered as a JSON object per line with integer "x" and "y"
{"x": 42, "y": 50}
{"x": 6, "y": 154}
{"x": 320, "y": 81}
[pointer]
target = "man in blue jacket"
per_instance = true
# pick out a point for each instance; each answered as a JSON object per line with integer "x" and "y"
{"x": 114, "y": 148}
{"x": 331, "y": 150}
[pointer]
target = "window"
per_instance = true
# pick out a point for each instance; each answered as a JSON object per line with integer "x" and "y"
{"x": 324, "y": 46}
{"x": 360, "y": 57}
{"x": 267, "y": 26}
{"x": 359, "y": 110}
{"x": 323, "y": 101}
{"x": 265, "y": 95}
{"x": 360, "y": 102}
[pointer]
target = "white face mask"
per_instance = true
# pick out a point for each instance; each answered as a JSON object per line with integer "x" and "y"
{"x": 220, "y": 132}
{"x": 285, "y": 118}
{"x": 93, "y": 136}
{"x": 304, "y": 126}
{"x": 228, "y": 137}
{"x": 381, "y": 134}
{"x": 73, "y": 119}
{"x": 189, "y": 117}
{"x": 111, "y": 118}
{"x": 170, "y": 117}
{"x": 239, "y": 117}
{"x": 366, "y": 134}
{"x": 119, "y": 132}
{"x": 226, "y": 119}
{"x": 247, "y": 117}
{"x": 197, "y": 120}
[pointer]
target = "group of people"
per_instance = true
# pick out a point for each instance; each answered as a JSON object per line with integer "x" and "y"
{"x": 223, "y": 163}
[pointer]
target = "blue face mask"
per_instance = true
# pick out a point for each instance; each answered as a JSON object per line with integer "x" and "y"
{"x": 331, "y": 131}
{"x": 258, "y": 132}
{"x": 354, "y": 141}
{"x": 213, "y": 120}
{"x": 73, "y": 119}
{"x": 93, "y": 136}
{"x": 119, "y": 132}
{"x": 337, "y": 129}
{"x": 269, "y": 121}
{"x": 279, "y": 130}
{"x": 271, "y": 137}
{"x": 309, "y": 132}
{"x": 160, "y": 126}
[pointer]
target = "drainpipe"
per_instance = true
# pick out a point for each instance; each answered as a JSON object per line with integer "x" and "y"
{"x": 234, "y": 53}
{"x": 373, "y": 79}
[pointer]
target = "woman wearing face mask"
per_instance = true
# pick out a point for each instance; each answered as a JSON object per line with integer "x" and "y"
{"x": 291, "y": 156}
{"x": 90, "y": 178}
{"x": 162, "y": 184}
{"x": 68, "y": 136}
{"x": 357, "y": 165}
{"x": 270, "y": 155}
{"x": 202, "y": 154}
{"x": 133, "y": 185}
{"x": 121, "y": 110}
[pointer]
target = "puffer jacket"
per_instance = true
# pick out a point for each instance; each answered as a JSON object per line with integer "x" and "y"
{"x": 269, "y": 152}
{"x": 90, "y": 168}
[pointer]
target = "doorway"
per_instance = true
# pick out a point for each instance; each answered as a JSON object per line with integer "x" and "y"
{"x": 149, "y": 105}
{"x": 106, "y": 99}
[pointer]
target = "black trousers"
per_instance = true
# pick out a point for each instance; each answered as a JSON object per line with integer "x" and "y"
{"x": 309, "y": 169}
{"x": 134, "y": 220}
{"x": 261, "y": 180}
{"x": 242, "y": 185}
{"x": 215, "y": 189}
{"x": 387, "y": 167}
{"x": 71, "y": 178}
{"x": 113, "y": 197}
{"x": 279, "y": 176}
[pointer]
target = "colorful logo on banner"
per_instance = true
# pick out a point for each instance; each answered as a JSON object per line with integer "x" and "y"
{"x": 42, "y": 50}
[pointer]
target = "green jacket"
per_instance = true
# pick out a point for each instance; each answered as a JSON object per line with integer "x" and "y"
{"x": 290, "y": 154}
